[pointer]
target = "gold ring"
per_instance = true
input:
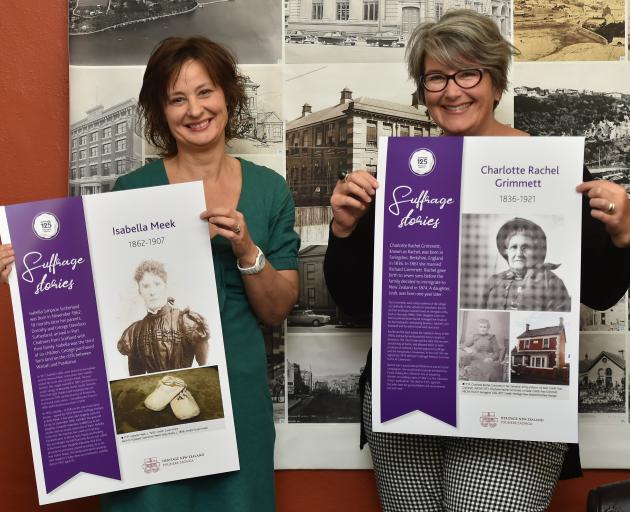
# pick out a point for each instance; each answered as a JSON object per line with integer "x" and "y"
{"x": 611, "y": 208}
{"x": 237, "y": 229}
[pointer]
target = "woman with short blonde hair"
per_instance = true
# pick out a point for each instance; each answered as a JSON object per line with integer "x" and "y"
{"x": 460, "y": 66}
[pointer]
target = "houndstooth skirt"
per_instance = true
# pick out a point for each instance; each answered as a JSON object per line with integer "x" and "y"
{"x": 457, "y": 474}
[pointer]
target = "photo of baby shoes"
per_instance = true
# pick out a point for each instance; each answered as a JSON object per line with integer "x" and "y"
{"x": 168, "y": 388}
{"x": 184, "y": 405}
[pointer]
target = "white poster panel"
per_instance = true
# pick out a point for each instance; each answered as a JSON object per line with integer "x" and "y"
{"x": 504, "y": 289}
{"x": 120, "y": 340}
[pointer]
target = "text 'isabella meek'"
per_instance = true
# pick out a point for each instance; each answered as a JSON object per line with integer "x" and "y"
{"x": 141, "y": 227}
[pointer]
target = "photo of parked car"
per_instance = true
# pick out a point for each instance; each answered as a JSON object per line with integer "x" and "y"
{"x": 332, "y": 38}
{"x": 307, "y": 317}
{"x": 295, "y": 37}
{"x": 385, "y": 39}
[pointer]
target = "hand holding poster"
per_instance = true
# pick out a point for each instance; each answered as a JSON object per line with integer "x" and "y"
{"x": 120, "y": 340}
{"x": 476, "y": 300}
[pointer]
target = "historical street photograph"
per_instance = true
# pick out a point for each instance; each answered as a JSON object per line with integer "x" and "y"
{"x": 368, "y": 30}
{"x": 602, "y": 384}
{"x": 123, "y": 32}
{"x": 323, "y": 376}
{"x": 570, "y": 30}
{"x": 275, "y": 351}
{"x": 546, "y": 102}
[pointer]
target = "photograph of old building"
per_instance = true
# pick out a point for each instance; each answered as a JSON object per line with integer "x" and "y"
{"x": 323, "y": 377}
{"x": 334, "y": 116}
{"x": 314, "y": 295}
{"x": 602, "y": 381}
{"x": 260, "y": 127}
{"x": 538, "y": 357}
{"x": 546, "y": 102}
{"x": 569, "y": 30}
{"x": 344, "y": 136}
{"x": 611, "y": 319}
{"x": 369, "y": 30}
{"x": 104, "y": 145}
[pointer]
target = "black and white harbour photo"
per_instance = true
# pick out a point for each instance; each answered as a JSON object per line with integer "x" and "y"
{"x": 123, "y": 32}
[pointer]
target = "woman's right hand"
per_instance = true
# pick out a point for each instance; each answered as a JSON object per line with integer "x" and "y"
{"x": 350, "y": 200}
{"x": 7, "y": 257}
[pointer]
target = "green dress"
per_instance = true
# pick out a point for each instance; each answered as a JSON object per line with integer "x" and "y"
{"x": 267, "y": 205}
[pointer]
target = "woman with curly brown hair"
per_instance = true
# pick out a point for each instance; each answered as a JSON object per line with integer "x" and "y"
{"x": 192, "y": 99}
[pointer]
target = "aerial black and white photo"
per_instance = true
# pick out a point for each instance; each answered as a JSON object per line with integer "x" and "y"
{"x": 563, "y": 99}
{"x": 123, "y": 32}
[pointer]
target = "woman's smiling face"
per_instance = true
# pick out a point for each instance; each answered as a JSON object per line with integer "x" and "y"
{"x": 461, "y": 111}
{"x": 196, "y": 110}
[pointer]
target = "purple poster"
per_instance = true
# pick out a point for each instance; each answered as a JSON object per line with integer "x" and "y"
{"x": 63, "y": 340}
{"x": 419, "y": 279}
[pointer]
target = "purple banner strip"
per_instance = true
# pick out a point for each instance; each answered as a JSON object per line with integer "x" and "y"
{"x": 420, "y": 269}
{"x": 66, "y": 361}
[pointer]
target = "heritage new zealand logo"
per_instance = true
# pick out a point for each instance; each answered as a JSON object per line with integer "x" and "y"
{"x": 422, "y": 162}
{"x": 46, "y": 226}
{"x": 488, "y": 419}
{"x": 151, "y": 465}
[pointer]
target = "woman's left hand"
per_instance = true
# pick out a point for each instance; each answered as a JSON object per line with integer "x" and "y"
{"x": 609, "y": 204}
{"x": 230, "y": 224}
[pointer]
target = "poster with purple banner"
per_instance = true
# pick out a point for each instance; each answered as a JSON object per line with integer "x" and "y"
{"x": 120, "y": 342}
{"x": 476, "y": 276}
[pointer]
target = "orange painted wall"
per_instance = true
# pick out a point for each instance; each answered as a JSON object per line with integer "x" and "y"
{"x": 33, "y": 151}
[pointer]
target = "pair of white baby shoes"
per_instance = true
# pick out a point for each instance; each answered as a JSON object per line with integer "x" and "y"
{"x": 173, "y": 390}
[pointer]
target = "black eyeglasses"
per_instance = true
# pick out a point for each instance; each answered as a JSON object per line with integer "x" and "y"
{"x": 464, "y": 78}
